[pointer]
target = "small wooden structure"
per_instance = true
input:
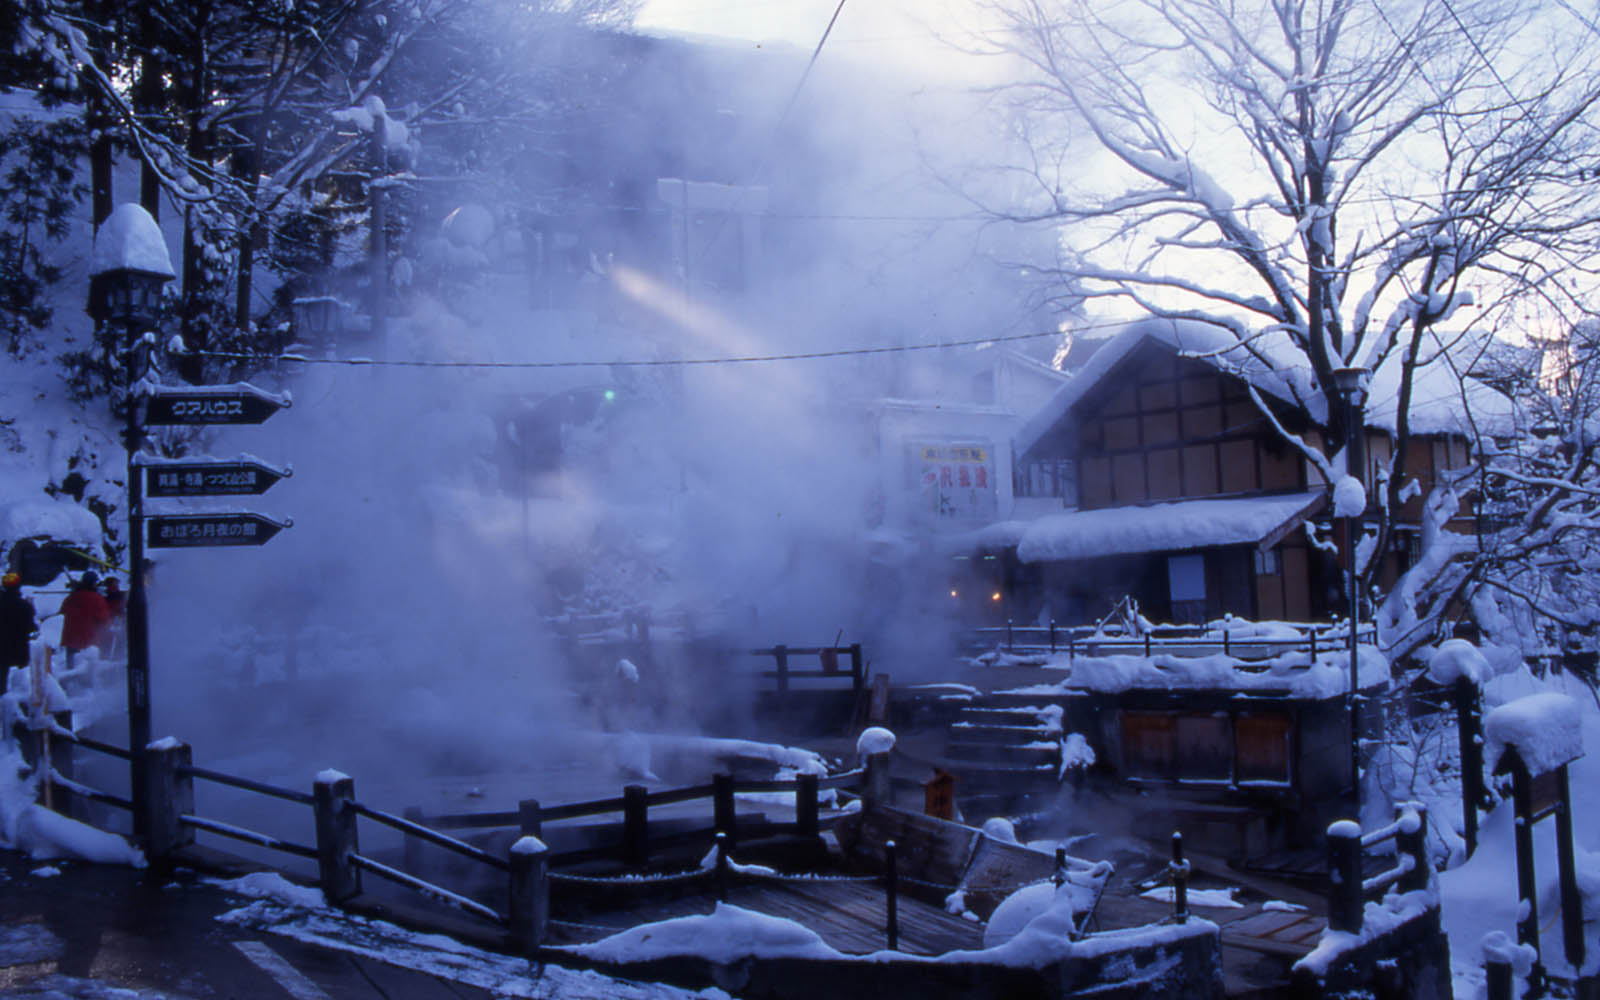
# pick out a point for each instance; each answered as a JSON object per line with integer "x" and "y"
{"x": 1540, "y": 788}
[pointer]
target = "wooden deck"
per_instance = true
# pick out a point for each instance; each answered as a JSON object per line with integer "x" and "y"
{"x": 850, "y": 916}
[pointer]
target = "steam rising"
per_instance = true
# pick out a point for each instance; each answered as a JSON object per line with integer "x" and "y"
{"x": 447, "y": 518}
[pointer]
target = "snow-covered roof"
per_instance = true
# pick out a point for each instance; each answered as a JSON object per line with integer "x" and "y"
{"x": 130, "y": 240}
{"x": 1165, "y": 527}
{"x": 1443, "y": 398}
{"x": 1202, "y": 341}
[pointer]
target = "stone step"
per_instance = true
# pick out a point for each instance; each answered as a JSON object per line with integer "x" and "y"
{"x": 1018, "y": 755}
{"x": 983, "y": 732}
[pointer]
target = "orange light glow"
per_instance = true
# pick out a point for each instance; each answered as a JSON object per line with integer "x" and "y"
{"x": 995, "y": 596}
{"x": 954, "y": 594}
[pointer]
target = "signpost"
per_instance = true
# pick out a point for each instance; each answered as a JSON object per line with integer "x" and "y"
{"x": 189, "y": 531}
{"x": 241, "y": 477}
{"x": 240, "y": 403}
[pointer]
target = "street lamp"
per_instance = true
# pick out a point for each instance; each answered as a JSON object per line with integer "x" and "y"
{"x": 1352, "y": 385}
{"x": 129, "y": 268}
{"x": 316, "y": 319}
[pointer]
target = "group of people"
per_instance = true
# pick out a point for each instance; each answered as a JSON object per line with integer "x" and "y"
{"x": 88, "y": 618}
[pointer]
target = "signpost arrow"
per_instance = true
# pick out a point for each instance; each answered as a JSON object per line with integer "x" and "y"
{"x": 240, "y": 403}
{"x": 187, "y": 531}
{"x": 207, "y": 478}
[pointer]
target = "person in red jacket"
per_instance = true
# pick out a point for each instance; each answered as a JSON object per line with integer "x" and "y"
{"x": 84, "y": 614}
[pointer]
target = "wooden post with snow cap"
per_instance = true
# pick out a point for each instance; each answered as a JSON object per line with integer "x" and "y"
{"x": 1344, "y": 876}
{"x": 1536, "y": 736}
{"x": 529, "y": 913}
{"x": 169, "y": 796}
{"x": 1411, "y": 839}
{"x": 891, "y": 900}
{"x": 1180, "y": 881}
{"x": 1566, "y": 863}
{"x": 874, "y": 745}
{"x": 1469, "y": 735}
{"x": 721, "y": 866}
{"x": 334, "y": 796}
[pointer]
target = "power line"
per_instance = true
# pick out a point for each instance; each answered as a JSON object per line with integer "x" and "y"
{"x": 650, "y": 363}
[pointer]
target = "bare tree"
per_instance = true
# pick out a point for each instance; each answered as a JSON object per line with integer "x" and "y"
{"x": 1327, "y": 181}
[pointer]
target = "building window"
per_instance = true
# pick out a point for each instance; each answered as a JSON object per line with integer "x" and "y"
{"x": 1262, "y": 742}
{"x": 1268, "y": 563}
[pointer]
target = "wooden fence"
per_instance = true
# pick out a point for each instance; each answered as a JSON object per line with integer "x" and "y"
{"x": 1175, "y": 640}
{"x": 828, "y": 667}
{"x": 170, "y": 776}
{"x": 1348, "y": 892}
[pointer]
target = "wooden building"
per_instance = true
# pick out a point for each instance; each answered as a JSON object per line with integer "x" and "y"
{"x": 1166, "y": 475}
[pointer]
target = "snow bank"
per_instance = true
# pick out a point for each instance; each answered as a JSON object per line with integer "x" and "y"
{"x": 727, "y": 934}
{"x": 1021, "y": 908}
{"x": 1292, "y": 673}
{"x": 1546, "y": 729}
{"x": 1376, "y": 919}
{"x": 58, "y": 519}
{"x": 39, "y": 833}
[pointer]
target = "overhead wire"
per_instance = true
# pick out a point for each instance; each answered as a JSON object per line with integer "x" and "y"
{"x": 296, "y": 358}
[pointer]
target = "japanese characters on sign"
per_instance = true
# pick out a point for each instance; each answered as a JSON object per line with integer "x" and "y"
{"x": 195, "y": 479}
{"x": 242, "y": 406}
{"x": 196, "y": 530}
{"x": 956, "y": 480}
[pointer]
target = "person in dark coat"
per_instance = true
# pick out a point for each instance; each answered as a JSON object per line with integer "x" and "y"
{"x": 17, "y": 623}
{"x": 84, "y": 616}
{"x": 116, "y": 604}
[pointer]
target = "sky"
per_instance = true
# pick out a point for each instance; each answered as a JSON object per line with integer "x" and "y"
{"x": 915, "y": 35}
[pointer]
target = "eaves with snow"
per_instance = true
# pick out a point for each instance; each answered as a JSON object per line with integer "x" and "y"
{"x": 1445, "y": 399}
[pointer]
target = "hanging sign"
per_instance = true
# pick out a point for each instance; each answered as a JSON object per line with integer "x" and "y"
{"x": 240, "y": 403}
{"x": 242, "y": 477}
{"x": 186, "y": 531}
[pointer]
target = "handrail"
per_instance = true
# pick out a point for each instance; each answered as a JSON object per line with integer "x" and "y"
{"x": 1348, "y": 891}
{"x": 427, "y": 888}
{"x": 431, "y": 836}
{"x": 249, "y": 836}
{"x": 248, "y": 784}
{"x": 95, "y": 745}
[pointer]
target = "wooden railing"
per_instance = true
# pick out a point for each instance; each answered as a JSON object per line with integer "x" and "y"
{"x": 1175, "y": 640}
{"x": 169, "y": 801}
{"x": 1348, "y": 891}
{"x": 828, "y": 665}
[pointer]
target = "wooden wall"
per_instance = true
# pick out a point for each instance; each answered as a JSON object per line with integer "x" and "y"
{"x": 1180, "y": 429}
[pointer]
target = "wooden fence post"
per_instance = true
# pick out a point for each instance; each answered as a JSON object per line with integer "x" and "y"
{"x": 1469, "y": 735}
{"x": 780, "y": 655}
{"x": 635, "y": 825}
{"x": 875, "y": 788}
{"x": 1527, "y": 884}
{"x": 530, "y": 818}
{"x": 1344, "y": 876}
{"x": 1010, "y": 643}
{"x": 1060, "y": 875}
{"x": 891, "y": 901}
{"x": 1180, "y": 881}
{"x": 1571, "y": 899}
{"x": 723, "y": 809}
{"x": 1413, "y": 843}
{"x": 169, "y": 795}
{"x": 858, "y": 672}
{"x": 61, "y": 754}
{"x": 529, "y": 914}
{"x": 1497, "y": 977}
{"x": 722, "y": 867}
{"x": 335, "y": 795}
{"x": 805, "y": 805}
{"x": 1052, "y": 635}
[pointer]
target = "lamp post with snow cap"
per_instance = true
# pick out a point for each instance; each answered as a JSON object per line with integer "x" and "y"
{"x": 1352, "y": 385}
{"x": 129, "y": 268}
